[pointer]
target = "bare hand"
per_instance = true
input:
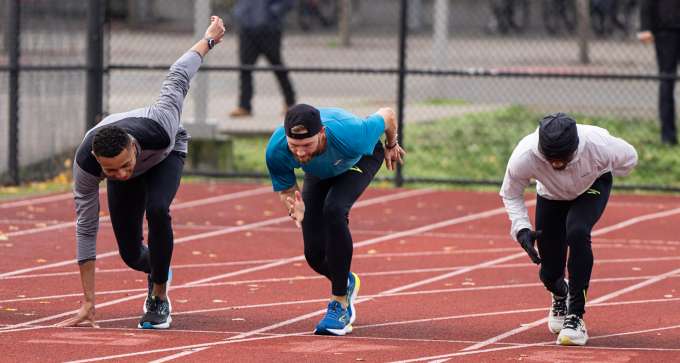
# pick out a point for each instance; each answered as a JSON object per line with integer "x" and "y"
{"x": 645, "y": 37}
{"x": 296, "y": 211}
{"x": 393, "y": 156}
{"x": 85, "y": 316}
{"x": 216, "y": 29}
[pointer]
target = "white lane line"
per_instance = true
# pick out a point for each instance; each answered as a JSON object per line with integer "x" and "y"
{"x": 366, "y": 256}
{"x": 306, "y": 334}
{"x": 477, "y": 348}
{"x": 34, "y": 201}
{"x": 412, "y": 293}
{"x": 600, "y": 231}
{"x": 178, "y": 355}
{"x": 204, "y": 201}
{"x": 551, "y": 344}
{"x": 178, "y": 206}
{"x": 245, "y": 336}
{"x": 364, "y": 203}
{"x": 186, "y": 347}
{"x": 296, "y": 278}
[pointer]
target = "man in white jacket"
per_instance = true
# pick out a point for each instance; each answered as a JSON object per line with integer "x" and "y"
{"x": 573, "y": 166}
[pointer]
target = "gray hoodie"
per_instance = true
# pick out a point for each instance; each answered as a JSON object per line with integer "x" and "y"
{"x": 157, "y": 130}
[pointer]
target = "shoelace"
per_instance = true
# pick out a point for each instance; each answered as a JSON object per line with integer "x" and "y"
{"x": 571, "y": 322}
{"x": 334, "y": 310}
{"x": 159, "y": 306}
{"x": 559, "y": 307}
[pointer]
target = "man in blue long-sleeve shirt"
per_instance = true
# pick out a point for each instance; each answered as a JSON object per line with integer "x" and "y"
{"x": 141, "y": 155}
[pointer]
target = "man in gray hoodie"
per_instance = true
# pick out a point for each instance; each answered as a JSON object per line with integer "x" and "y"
{"x": 141, "y": 154}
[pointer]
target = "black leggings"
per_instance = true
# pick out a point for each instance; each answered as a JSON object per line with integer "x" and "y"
{"x": 325, "y": 228}
{"x": 151, "y": 192}
{"x": 568, "y": 224}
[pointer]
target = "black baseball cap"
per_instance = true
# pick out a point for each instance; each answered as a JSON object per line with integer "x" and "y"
{"x": 557, "y": 136}
{"x": 302, "y": 115}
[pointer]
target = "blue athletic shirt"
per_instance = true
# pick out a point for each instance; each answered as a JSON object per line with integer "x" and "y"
{"x": 348, "y": 138}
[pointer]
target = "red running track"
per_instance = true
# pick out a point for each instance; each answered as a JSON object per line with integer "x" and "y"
{"x": 441, "y": 281}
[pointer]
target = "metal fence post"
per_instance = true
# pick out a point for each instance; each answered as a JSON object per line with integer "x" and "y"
{"x": 95, "y": 62}
{"x": 344, "y": 22}
{"x": 401, "y": 88}
{"x": 200, "y": 91}
{"x": 583, "y": 11}
{"x": 13, "y": 28}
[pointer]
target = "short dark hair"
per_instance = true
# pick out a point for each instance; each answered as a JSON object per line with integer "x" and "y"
{"x": 109, "y": 141}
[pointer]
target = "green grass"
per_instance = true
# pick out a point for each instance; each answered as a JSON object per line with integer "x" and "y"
{"x": 474, "y": 146}
{"x": 477, "y": 146}
{"x": 58, "y": 184}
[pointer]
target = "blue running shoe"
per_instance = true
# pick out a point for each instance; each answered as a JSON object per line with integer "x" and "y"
{"x": 147, "y": 301}
{"x": 353, "y": 285}
{"x": 336, "y": 321}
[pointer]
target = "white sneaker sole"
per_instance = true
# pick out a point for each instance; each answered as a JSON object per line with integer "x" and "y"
{"x": 567, "y": 340}
{"x": 147, "y": 325}
{"x": 338, "y": 332}
{"x": 357, "y": 286}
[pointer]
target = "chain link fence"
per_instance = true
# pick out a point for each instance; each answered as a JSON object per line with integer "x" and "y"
{"x": 478, "y": 75}
{"x": 49, "y": 114}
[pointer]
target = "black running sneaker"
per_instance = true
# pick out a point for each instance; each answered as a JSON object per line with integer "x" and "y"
{"x": 149, "y": 291}
{"x": 157, "y": 315}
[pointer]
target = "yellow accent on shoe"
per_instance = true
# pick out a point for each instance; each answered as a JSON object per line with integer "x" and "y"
{"x": 357, "y": 169}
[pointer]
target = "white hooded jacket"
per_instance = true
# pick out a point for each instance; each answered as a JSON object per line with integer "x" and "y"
{"x": 598, "y": 153}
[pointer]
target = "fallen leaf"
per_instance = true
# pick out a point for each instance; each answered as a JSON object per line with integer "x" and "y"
{"x": 238, "y": 319}
{"x": 240, "y": 222}
{"x": 196, "y": 253}
{"x": 41, "y": 260}
{"x": 217, "y": 301}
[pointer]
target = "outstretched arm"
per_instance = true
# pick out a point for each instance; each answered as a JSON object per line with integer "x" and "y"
{"x": 393, "y": 151}
{"x": 168, "y": 107}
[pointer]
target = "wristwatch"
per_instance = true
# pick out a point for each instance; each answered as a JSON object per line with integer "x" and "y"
{"x": 211, "y": 42}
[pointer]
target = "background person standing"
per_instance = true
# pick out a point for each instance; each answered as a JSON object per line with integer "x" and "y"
{"x": 260, "y": 24}
{"x": 660, "y": 24}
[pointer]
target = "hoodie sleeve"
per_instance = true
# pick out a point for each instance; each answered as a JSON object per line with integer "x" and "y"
{"x": 512, "y": 191}
{"x": 86, "y": 197}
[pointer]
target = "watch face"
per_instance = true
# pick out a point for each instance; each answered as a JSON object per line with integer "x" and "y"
{"x": 211, "y": 42}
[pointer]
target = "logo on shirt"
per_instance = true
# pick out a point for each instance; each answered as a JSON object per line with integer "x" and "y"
{"x": 593, "y": 191}
{"x": 337, "y": 162}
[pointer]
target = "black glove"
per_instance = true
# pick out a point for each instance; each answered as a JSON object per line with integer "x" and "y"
{"x": 526, "y": 239}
